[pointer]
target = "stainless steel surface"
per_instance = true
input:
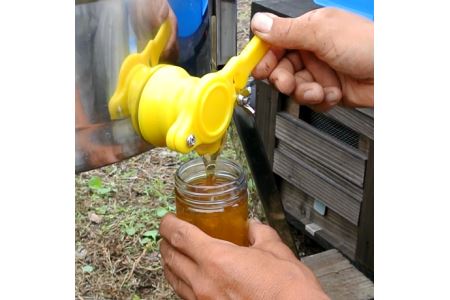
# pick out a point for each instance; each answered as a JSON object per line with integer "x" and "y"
{"x": 105, "y": 33}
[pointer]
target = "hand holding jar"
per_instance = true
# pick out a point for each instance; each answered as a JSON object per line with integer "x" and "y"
{"x": 201, "y": 267}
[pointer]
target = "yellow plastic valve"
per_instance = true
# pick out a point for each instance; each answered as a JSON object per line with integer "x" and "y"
{"x": 168, "y": 107}
{"x": 134, "y": 72}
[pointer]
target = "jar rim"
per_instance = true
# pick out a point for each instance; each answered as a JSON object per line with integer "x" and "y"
{"x": 238, "y": 180}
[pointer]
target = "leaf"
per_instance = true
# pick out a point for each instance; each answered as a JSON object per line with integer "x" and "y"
{"x": 95, "y": 197}
{"x": 139, "y": 226}
{"x": 161, "y": 211}
{"x": 103, "y": 190}
{"x": 171, "y": 207}
{"x": 102, "y": 209}
{"x": 135, "y": 297}
{"x": 145, "y": 240}
{"x": 130, "y": 231}
{"x": 130, "y": 173}
{"x": 251, "y": 184}
{"x": 87, "y": 269}
{"x": 95, "y": 183}
{"x": 151, "y": 234}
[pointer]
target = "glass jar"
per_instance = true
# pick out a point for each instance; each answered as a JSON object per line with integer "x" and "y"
{"x": 218, "y": 207}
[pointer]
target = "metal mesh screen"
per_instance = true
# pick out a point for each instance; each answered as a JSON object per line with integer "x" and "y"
{"x": 330, "y": 126}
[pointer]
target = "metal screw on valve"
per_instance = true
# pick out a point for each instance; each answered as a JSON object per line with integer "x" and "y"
{"x": 243, "y": 98}
{"x": 191, "y": 140}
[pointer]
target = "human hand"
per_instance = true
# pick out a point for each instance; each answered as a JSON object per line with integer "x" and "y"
{"x": 198, "y": 266}
{"x": 147, "y": 17}
{"x": 321, "y": 59}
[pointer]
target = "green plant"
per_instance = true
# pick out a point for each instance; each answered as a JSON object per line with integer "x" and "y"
{"x": 187, "y": 157}
{"x": 87, "y": 269}
{"x": 155, "y": 188}
{"x": 96, "y": 186}
{"x": 150, "y": 238}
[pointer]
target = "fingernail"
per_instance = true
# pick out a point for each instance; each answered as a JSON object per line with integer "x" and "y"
{"x": 309, "y": 95}
{"x": 331, "y": 97}
{"x": 262, "y": 22}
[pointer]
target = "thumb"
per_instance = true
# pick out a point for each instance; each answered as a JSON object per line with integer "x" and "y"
{"x": 288, "y": 33}
{"x": 259, "y": 233}
{"x": 265, "y": 238}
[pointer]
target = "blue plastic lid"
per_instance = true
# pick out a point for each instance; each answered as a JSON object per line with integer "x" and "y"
{"x": 360, "y": 7}
{"x": 189, "y": 15}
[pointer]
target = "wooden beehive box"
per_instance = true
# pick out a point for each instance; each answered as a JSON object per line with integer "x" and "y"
{"x": 324, "y": 162}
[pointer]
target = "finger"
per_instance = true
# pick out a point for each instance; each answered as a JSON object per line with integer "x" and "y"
{"x": 181, "y": 266}
{"x": 258, "y": 233}
{"x": 303, "y": 76}
{"x": 295, "y": 59}
{"x": 311, "y": 93}
{"x": 266, "y": 238}
{"x": 180, "y": 287}
{"x": 289, "y": 33}
{"x": 307, "y": 92}
{"x": 357, "y": 93}
{"x": 267, "y": 63}
{"x": 325, "y": 105}
{"x": 324, "y": 75}
{"x": 184, "y": 236}
{"x": 283, "y": 76}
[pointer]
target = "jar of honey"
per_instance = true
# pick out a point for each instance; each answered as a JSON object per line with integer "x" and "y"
{"x": 216, "y": 204}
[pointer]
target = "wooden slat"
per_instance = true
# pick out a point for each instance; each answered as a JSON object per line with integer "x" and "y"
{"x": 352, "y": 118}
{"x": 364, "y": 144}
{"x": 291, "y": 107}
{"x": 338, "y": 278}
{"x": 321, "y": 147}
{"x": 326, "y": 262}
{"x": 367, "y": 111}
{"x": 339, "y": 182}
{"x": 364, "y": 250}
{"x": 266, "y": 107}
{"x": 310, "y": 181}
{"x": 336, "y": 230}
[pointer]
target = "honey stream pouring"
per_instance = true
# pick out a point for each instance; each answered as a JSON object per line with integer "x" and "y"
{"x": 168, "y": 107}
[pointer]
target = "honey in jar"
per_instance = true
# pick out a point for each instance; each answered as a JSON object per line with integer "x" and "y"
{"x": 217, "y": 203}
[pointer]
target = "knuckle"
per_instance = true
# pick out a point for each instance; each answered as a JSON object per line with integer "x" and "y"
{"x": 179, "y": 236}
{"x": 328, "y": 12}
{"x": 266, "y": 231}
{"x": 214, "y": 257}
{"x": 272, "y": 233}
{"x": 266, "y": 68}
{"x": 273, "y": 77}
{"x": 169, "y": 257}
{"x": 285, "y": 30}
{"x": 202, "y": 290}
{"x": 319, "y": 15}
{"x": 220, "y": 258}
{"x": 176, "y": 284}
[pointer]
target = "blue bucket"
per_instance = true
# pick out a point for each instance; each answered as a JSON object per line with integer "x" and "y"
{"x": 190, "y": 14}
